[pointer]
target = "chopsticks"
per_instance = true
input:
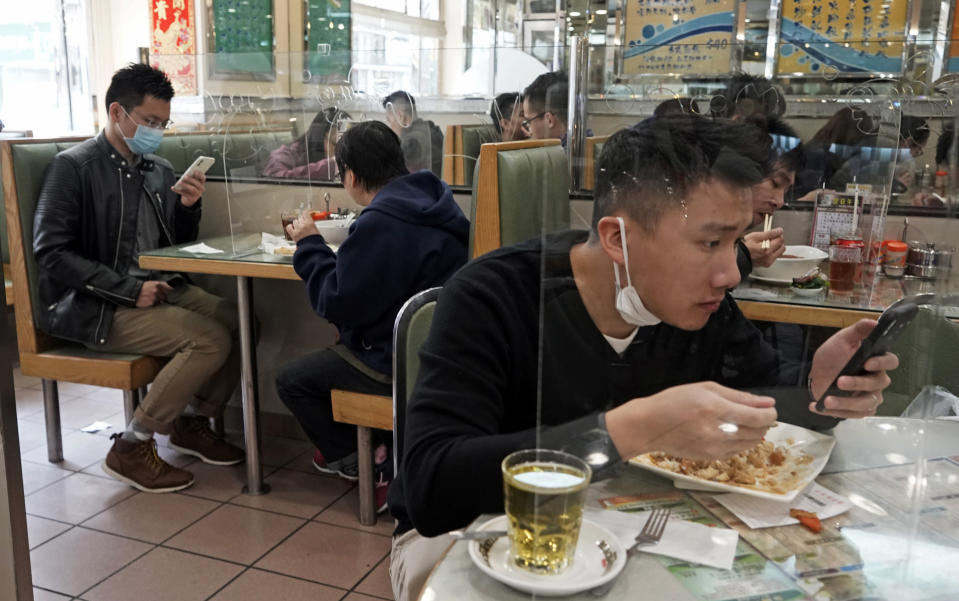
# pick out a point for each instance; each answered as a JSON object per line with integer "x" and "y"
{"x": 767, "y": 225}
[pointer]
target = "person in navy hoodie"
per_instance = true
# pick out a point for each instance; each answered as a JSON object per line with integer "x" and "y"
{"x": 410, "y": 236}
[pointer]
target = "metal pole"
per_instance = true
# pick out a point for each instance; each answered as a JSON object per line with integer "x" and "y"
{"x": 576, "y": 118}
{"x": 51, "y": 417}
{"x": 15, "y": 579}
{"x": 248, "y": 391}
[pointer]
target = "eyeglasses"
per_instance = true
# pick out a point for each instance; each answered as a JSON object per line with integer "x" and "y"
{"x": 151, "y": 123}
{"x": 526, "y": 122}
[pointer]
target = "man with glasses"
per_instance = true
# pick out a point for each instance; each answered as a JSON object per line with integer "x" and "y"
{"x": 104, "y": 201}
{"x": 545, "y": 104}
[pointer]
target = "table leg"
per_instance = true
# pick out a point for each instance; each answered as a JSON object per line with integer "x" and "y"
{"x": 364, "y": 455}
{"x": 248, "y": 388}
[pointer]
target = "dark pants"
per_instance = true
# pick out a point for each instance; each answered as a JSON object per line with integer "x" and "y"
{"x": 304, "y": 386}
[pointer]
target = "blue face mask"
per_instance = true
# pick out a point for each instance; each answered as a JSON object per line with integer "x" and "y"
{"x": 145, "y": 140}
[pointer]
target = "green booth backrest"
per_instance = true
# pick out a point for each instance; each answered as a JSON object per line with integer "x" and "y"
{"x": 928, "y": 352}
{"x": 533, "y": 192}
{"x": 416, "y": 334}
{"x": 475, "y": 136}
{"x": 29, "y": 166}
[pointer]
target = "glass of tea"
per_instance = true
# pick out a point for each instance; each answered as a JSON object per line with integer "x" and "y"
{"x": 287, "y": 218}
{"x": 545, "y": 494}
{"x": 845, "y": 262}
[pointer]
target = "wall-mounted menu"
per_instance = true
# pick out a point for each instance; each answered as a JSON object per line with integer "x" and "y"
{"x": 849, "y": 37}
{"x": 688, "y": 37}
{"x": 243, "y": 33}
{"x": 328, "y": 40}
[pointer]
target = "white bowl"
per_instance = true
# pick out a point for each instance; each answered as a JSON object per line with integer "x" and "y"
{"x": 795, "y": 262}
{"x": 334, "y": 231}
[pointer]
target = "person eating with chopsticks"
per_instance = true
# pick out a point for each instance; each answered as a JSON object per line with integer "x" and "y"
{"x": 763, "y": 247}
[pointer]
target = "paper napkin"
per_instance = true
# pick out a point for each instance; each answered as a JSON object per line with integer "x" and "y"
{"x": 201, "y": 249}
{"x": 688, "y": 541}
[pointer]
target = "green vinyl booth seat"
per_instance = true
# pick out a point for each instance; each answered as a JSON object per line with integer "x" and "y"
{"x": 521, "y": 189}
{"x": 474, "y": 136}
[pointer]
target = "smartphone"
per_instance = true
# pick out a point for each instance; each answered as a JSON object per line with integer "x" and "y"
{"x": 201, "y": 164}
{"x": 891, "y": 324}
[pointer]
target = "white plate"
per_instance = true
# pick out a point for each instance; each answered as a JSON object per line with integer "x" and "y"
{"x": 807, "y": 292}
{"x": 773, "y": 281}
{"x": 592, "y": 565}
{"x": 812, "y": 443}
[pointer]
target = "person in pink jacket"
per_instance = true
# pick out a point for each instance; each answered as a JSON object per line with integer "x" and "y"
{"x": 311, "y": 155}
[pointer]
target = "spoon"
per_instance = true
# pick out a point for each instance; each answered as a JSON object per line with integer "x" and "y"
{"x": 476, "y": 534}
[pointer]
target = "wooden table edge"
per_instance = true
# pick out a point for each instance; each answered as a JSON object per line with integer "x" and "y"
{"x": 277, "y": 271}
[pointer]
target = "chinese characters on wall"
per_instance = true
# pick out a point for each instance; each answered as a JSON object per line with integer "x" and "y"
{"x": 173, "y": 43}
{"x": 842, "y": 36}
{"x": 679, "y": 36}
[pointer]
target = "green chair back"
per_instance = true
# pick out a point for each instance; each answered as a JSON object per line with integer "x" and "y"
{"x": 474, "y": 136}
{"x": 409, "y": 333}
{"x": 30, "y": 163}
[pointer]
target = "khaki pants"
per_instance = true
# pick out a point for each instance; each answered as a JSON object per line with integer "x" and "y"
{"x": 198, "y": 332}
{"x": 412, "y": 559}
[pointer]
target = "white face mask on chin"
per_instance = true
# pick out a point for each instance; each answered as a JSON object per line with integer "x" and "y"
{"x": 628, "y": 303}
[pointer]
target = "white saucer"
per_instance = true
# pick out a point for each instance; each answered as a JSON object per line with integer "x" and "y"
{"x": 600, "y": 557}
{"x": 808, "y": 292}
{"x": 773, "y": 281}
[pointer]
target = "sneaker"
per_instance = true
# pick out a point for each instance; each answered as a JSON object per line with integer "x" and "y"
{"x": 383, "y": 474}
{"x": 347, "y": 468}
{"x": 138, "y": 464}
{"x": 380, "y": 490}
{"x": 192, "y": 435}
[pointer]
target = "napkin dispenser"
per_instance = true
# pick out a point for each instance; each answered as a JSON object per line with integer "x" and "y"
{"x": 929, "y": 261}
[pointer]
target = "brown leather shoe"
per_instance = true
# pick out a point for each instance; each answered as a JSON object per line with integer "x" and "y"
{"x": 192, "y": 435}
{"x": 138, "y": 464}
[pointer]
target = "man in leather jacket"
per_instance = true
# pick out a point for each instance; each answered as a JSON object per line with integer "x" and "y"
{"x": 103, "y": 202}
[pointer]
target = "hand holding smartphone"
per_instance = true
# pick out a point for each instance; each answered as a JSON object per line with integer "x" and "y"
{"x": 891, "y": 324}
{"x": 201, "y": 164}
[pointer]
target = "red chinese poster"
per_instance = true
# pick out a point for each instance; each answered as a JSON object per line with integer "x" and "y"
{"x": 173, "y": 45}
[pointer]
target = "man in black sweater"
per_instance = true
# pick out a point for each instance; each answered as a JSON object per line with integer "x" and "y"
{"x": 608, "y": 343}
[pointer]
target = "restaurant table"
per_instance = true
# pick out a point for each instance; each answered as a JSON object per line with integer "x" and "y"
{"x": 243, "y": 260}
{"x": 854, "y": 557}
{"x": 764, "y": 301}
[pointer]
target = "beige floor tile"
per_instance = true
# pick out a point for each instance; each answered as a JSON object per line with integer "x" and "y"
{"x": 69, "y": 388}
{"x": 32, "y": 435}
{"x": 378, "y": 581}
{"x": 216, "y": 482}
{"x": 80, "y": 412}
{"x": 76, "y": 498}
{"x": 118, "y": 424}
{"x": 22, "y": 381}
{"x": 303, "y": 463}
{"x": 359, "y": 597}
{"x": 40, "y": 530}
{"x": 79, "y": 451}
{"x": 165, "y": 575}
{"x": 41, "y": 595}
{"x": 328, "y": 554}
{"x": 29, "y": 402}
{"x": 236, "y": 534}
{"x": 113, "y": 395}
{"x": 278, "y": 451}
{"x": 151, "y": 517}
{"x": 76, "y": 560}
{"x": 296, "y": 493}
{"x": 346, "y": 512}
{"x": 36, "y": 476}
{"x": 257, "y": 585}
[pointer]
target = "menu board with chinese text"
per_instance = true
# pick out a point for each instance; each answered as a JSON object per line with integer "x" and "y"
{"x": 952, "y": 63}
{"x": 173, "y": 43}
{"x": 850, "y": 37}
{"x": 687, "y": 37}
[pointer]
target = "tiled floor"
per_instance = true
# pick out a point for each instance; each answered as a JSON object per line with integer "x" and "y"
{"x": 95, "y": 539}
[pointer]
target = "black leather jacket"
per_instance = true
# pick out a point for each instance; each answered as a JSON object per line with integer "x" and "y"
{"x": 84, "y": 233}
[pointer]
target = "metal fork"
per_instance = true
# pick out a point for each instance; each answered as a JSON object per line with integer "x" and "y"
{"x": 650, "y": 534}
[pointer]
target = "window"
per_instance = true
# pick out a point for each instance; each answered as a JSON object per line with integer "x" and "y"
{"x": 394, "y": 50}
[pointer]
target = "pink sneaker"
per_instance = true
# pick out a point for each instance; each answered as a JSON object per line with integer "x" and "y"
{"x": 380, "y": 490}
